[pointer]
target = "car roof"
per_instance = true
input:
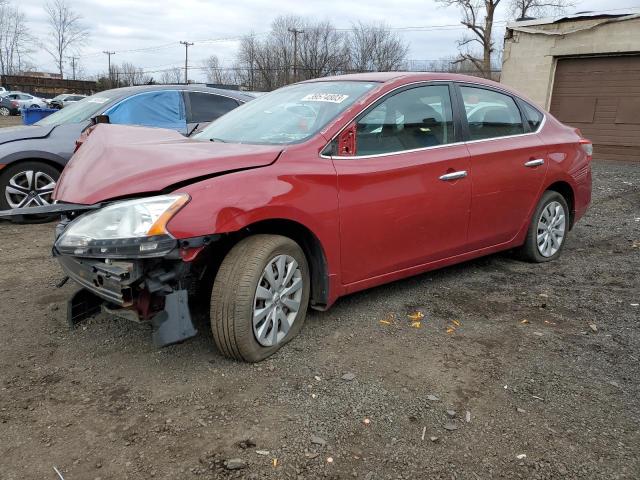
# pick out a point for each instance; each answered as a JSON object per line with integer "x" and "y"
{"x": 402, "y": 78}
{"x": 128, "y": 91}
{"x": 405, "y": 77}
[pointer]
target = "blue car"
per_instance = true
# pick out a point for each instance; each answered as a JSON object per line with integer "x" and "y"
{"x": 32, "y": 157}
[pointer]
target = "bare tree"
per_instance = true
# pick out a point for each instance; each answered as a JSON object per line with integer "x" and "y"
{"x": 15, "y": 42}
{"x": 128, "y": 74}
{"x": 172, "y": 75}
{"x": 65, "y": 31}
{"x": 538, "y": 8}
{"x": 216, "y": 73}
{"x": 322, "y": 51}
{"x": 373, "y": 47}
{"x": 478, "y": 17}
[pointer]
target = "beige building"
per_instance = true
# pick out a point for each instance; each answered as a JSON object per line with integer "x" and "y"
{"x": 585, "y": 69}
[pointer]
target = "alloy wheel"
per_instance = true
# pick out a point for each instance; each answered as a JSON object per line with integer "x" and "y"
{"x": 277, "y": 300}
{"x": 4, "y": 111}
{"x": 29, "y": 188}
{"x": 551, "y": 229}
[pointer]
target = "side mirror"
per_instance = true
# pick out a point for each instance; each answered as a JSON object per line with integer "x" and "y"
{"x": 347, "y": 142}
{"x": 100, "y": 119}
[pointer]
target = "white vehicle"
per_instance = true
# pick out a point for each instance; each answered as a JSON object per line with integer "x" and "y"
{"x": 25, "y": 100}
{"x": 3, "y": 91}
{"x": 65, "y": 99}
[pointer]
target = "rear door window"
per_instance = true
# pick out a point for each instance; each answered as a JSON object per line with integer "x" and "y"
{"x": 206, "y": 107}
{"x": 490, "y": 114}
{"x": 162, "y": 109}
{"x": 533, "y": 116}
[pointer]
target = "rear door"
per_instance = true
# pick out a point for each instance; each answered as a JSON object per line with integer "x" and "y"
{"x": 404, "y": 196}
{"x": 508, "y": 165}
{"x": 204, "y": 108}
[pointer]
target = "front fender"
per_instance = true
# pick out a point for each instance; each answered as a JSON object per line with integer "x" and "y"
{"x": 306, "y": 194}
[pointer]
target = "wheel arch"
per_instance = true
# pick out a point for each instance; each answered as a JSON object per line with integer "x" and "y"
{"x": 566, "y": 190}
{"x": 309, "y": 242}
{"x": 51, "y": 160}
{"x": 311, "y": 246}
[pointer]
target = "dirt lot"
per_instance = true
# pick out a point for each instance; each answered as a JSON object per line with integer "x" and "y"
{"x": 10, "y": 121}
{"x": 561, "y": 388}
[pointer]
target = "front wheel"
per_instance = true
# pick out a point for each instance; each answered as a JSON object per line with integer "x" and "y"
{"x": 548, "y": 229}
{"x": 260, "y": 297}
{"x": 28, "y": 184}
{"x": 4, "y": 112}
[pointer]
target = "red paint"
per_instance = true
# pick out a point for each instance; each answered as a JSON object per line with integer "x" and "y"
{"x": 378, "y": 219}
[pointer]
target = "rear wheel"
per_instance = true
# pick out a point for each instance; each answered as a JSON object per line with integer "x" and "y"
{"x": 4, "y": 112}
{"x": 548, "y": 229}
{"x": 260, "y": 297}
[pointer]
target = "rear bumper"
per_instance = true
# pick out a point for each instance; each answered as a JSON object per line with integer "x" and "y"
{"x": 583, "y": 195}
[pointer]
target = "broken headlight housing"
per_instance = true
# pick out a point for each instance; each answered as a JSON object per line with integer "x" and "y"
{"x": 131, "y": 228}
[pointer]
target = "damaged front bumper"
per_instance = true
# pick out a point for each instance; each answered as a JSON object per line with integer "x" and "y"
{"x": 154, "y": 290}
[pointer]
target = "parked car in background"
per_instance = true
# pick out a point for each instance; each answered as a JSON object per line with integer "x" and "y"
{"x": 8, "y": 106}
{"x": 308, "y": 193}
{"x": 2, "y": 91}
{"x": 65, "y": 99}
{"x": 32, "y": 157}
{"x": 25, "y": 100}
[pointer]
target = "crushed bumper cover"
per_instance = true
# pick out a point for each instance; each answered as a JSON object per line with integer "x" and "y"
{"x": 116, "y": 286}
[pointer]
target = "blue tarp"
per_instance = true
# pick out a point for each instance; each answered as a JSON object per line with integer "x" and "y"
{"x": 162, "y": 109}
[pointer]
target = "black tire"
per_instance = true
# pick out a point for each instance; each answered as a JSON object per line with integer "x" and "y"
{"x": 9, "y": 172}
{"x": 529, "y": 251}
{"x": 35, "y": 106}
{"x": 234, "y": 291}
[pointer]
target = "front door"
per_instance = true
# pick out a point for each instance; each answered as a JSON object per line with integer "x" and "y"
{"x": 405, "y": 195}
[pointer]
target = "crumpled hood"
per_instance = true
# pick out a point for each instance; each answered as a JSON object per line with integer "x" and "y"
{"x": 117, "y": 161}
{"x": 24, "y": 132}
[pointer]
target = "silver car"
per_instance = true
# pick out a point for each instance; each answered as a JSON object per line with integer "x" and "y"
{"x": 25, "y": 100}
{"x": 65, "y": 99}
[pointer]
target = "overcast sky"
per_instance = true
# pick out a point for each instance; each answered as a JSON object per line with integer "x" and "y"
{"x": 121, "y": 25}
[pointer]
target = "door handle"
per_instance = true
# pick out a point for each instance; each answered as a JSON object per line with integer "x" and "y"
{"x": 447, "y": 177}
{"x": 534, "y": 163}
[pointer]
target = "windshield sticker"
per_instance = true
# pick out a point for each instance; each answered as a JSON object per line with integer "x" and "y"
{"x": 98, "y": 100}
{"x": 325, "y": 97}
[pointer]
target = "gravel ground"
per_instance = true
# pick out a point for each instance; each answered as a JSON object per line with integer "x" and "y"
{"x": 10, "y": 121}
{"x": 516, "y": 371}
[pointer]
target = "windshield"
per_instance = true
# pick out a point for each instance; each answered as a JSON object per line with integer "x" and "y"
{"x": 78, "y": 112}
{"x": 288, "y": 115}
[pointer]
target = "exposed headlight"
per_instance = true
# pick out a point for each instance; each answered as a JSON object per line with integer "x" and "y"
{"x": 131, "y": 228}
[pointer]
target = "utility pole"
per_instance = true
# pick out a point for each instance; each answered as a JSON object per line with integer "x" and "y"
{"x": 186, "y": 60}
{"x": 108, "y": 54}
{"x": 73, "y": 66}
{"x": 295, "y": 32}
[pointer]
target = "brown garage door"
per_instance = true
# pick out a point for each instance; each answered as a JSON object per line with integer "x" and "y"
{"x": 601, "y": 96}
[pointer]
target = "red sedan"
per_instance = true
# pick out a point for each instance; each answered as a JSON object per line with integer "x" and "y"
{"x": 311, "y": 192}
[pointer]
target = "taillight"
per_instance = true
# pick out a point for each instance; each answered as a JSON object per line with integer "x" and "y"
{"x": 587, "y": 146}
{"x": 14, "y": 104}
